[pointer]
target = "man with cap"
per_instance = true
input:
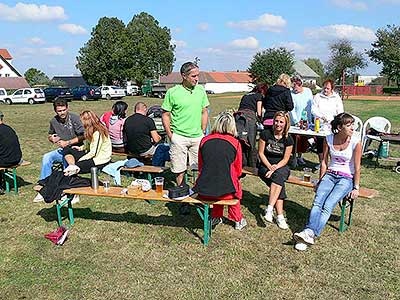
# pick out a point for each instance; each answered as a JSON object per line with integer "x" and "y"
{"x": 10, "y": 149}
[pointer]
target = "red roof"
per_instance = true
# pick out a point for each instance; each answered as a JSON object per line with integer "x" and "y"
{"x": 13, "y": 83}
{"x": 211, "y": 77}
{"x": 5, "y": 54}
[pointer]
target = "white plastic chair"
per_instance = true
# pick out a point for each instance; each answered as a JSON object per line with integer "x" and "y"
{"x": 380, "y": 124}
{"x": 358, "y": 127}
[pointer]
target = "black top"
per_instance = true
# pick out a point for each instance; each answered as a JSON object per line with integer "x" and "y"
{"x": 10, "y": 149}
{"x": 278, "y": 98}
{"x": 249, "y": 101}
{"x": 275, "y": 149}
{"x": 136, "y": 131}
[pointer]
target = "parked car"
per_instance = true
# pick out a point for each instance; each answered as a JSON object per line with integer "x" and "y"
{"x": 29, "y": 95}
{"x": 86, "y": 93}
{"x": 3, "y": 95}
{"x": 110, "y": 91}
{"x": 52, "y": 93}
{"x": 210, "y": 92}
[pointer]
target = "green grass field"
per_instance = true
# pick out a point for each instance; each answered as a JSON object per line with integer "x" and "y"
{"x": 121, "y": 249}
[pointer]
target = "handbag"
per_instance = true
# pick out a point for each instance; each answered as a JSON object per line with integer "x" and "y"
{"x": 178, "y": 192}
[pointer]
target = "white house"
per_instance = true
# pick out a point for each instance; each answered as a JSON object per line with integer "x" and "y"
{"x": 217, "y": 82}
{"x": 10, "y": 78}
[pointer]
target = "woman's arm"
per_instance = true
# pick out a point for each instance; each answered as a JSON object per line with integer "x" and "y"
{"x": 283, "y": 162}
{"x": 259, "y": 109}
{"x": 324, "y": 162}
{"x": 94, "y": 146}
{"x": 263, "y": 158}
{"x": 357, "y": 171}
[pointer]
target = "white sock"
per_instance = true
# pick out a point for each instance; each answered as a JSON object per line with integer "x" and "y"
{"x": 270, "y": 209}
{"x": 280, "y": 217}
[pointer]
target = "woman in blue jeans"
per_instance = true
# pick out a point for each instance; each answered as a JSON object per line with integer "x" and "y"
{"x": 338, "y": 179}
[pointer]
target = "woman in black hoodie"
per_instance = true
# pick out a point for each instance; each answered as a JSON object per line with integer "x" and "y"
{"x": 278, "y": 98}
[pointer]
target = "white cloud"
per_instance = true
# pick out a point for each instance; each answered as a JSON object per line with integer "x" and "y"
{"x": 265, "y": 22}
{"x": 31, "y": 12}
{"x": 177, "y": 30}
{"x": 72, "y": 29}
{"x": 179, "y": 43}
{"x": 341, "y": 31}
{"x": 53, "y": 50}
{"x": 247, "y": 43}
{"x": 350, "y": 4}
{"x": 202, "y": 26}
{"x": 211, "y": 50}
{"x": 35, "y": 41}
{"x": 296, "y": 47}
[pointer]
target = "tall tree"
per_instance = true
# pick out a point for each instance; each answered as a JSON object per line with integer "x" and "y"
{"x": 151, "y": 53}
{"x": 35, "y": 77}
{"x": 268, "y": 64}
{"x": 316, "y": 65}
{"x": 386, "y": 51}
{"x": 343, "y": 60}
{"x": 101, "y": 60}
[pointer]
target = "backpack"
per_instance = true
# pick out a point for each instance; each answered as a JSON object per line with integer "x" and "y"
{"x": 155, "y": 112}
{"x": 242, "y": 128}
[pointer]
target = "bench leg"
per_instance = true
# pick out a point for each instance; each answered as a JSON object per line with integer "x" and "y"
{"x": 343, "y": 226}
{"x": 15, "y": 181}
{"x": 11, "y": 176}
{"x": 60, "y": 204}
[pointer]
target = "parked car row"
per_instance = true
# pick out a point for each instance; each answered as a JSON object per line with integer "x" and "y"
{"x": 27, "y": 95}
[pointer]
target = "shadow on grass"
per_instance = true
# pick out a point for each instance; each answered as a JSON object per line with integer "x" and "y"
{"x": 20, "y": 182}
{"x": 187, "y": 222}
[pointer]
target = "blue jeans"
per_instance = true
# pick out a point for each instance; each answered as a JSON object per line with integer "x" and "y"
{"x": 161, "y": 155}
{"x": 331, "y": 190}
{"x": 49, "y": 158}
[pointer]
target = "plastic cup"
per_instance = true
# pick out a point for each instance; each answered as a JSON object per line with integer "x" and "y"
{"x": 106, "y": 185}
{"x": 307, "y": 175}
{"x": 159, "y": 181}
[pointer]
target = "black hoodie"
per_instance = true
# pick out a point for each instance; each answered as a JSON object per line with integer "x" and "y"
{"x": 277, "y": 98}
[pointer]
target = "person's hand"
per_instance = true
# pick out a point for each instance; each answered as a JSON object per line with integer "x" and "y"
{"x": 55, "y": 138}
{"x": 316, "y": 186}
{"x": 62, "y": 143}
{"x": 76, "y": 148}
{"x": 170, "y": 135}
{"x": 354, "y": 194}
{"x": 274, "y": 167}
{"x": 269, "y": 174}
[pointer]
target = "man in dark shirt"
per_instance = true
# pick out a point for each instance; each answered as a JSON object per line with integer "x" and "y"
{"x": 141, "y": 136}
{"x": 10, "y": 149}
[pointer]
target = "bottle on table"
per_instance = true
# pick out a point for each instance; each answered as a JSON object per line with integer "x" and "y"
{"x": 303, "y": 121}
{"x": 317, "y": 124}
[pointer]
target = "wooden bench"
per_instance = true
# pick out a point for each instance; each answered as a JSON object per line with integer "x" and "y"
{"x": 147, "y": 170}
{"x": 146, "y": 158}
{"x": 202, "y": 206}
{"x": 346, "y": 202}
{"x": 10, "y": 174}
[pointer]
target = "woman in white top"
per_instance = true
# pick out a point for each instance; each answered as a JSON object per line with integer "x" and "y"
{"x": 338, "y": 179}
{"x": 326, "y": 105}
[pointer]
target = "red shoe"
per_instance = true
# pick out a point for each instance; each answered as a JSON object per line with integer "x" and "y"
{"x": 55, "y": 235}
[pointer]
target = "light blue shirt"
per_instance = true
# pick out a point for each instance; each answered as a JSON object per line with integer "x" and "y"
{"x": 302, "y": 101}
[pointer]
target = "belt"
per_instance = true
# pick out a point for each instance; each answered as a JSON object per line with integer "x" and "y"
{"x": 339, "y": 173}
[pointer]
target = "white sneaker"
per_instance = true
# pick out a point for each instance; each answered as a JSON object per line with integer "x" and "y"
{"x": 38, "y": 198}
{"x": 75, "y": 199}
{"x": 241, "y": 224}
{"x": 300, "y": 246}
{"x": 303, "y": 237}
{"x": 71, "y": 170}
{"x": 282, "y": 223}
{"x": 269, "y": 216}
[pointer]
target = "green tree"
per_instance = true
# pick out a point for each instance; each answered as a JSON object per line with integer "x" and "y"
{"x": 343, "y": 60}
{"x": 268, "y": 64}
{"x": 35, "y": 77}
{"x": 102, "y": 60}
{"x": 151, "y": 53}
{"x": 386, "y": 51}
{"x": 316, "y": 65}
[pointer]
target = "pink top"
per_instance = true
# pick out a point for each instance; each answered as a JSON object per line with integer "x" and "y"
{"x": 114, "y": 126}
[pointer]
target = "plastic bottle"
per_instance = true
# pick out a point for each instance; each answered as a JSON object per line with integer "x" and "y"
{"x": 94, "y": 178}
{"x": 316, "y": 127}
{"x": 304, "y": 119}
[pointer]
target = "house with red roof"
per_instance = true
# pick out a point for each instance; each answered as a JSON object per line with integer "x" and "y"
{"x": 10, "y": 78}
{"x": 217, "y": 82}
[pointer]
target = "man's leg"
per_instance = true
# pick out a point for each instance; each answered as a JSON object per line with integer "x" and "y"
{"x": 48, "y": 160}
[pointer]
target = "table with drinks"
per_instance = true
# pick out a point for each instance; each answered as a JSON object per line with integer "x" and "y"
{"x": 136, "y": 192}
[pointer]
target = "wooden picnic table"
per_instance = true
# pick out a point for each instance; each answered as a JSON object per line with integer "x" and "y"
{"x": 202, "y": 206}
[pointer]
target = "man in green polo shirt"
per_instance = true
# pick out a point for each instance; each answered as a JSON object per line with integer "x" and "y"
{"x": 185, "y": 117}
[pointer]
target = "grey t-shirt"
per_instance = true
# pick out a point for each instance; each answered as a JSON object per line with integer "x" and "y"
{"x": 71, "y": 128}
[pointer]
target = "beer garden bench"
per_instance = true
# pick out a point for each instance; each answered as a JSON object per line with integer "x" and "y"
{"x": 10, "y": 175}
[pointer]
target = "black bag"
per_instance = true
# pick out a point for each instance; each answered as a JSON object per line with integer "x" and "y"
{"x": 178, "y": 191}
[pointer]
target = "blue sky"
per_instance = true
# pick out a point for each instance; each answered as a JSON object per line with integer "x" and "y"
{"x": 224, "y": 34}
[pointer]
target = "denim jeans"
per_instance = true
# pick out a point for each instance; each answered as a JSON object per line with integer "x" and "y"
{"x": 48, "y": 159}
{"x": 331, "y": 190}
{"x": 161, "y": 155}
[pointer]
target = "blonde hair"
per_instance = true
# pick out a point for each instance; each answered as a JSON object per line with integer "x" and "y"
{"x": 284, "y": 79}
{"x": 287, "y": 120}
{"x": 91, "y": 123}
{"x": 225, "y": 124}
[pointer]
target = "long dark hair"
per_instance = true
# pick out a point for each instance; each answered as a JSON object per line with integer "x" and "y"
{"x": 119, "y": 109}
{"x": 340, "y": 120}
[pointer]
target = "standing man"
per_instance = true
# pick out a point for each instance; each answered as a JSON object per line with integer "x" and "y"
{"x": 185, "y": 117}
{"x": 141, "y": 136}
{"x": 65, "y": 130}
{"x": 10, "y": 149}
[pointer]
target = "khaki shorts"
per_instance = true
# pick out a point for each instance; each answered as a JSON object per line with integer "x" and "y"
{"x": 182, "y": 148}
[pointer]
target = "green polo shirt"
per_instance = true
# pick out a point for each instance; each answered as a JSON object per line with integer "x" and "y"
{"x": 186, "y": 109}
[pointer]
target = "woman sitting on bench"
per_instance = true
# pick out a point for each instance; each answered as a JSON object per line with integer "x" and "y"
{"x": 95, "y": 152}
{"x": 274, "y": 148}
{"x": 220, "y": 166}
{"x": 337, "y": 180}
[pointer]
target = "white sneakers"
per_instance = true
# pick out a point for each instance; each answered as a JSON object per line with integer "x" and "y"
{"x": 300, "y": 246}
{"x": 304, "y": 237}
{"x": 280, "y": 220}
{"x": 241, "y": 224}
{"x": 269, "y": 216}
{"x": 71, "y": 170}
{"x": 38, "y": 198}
